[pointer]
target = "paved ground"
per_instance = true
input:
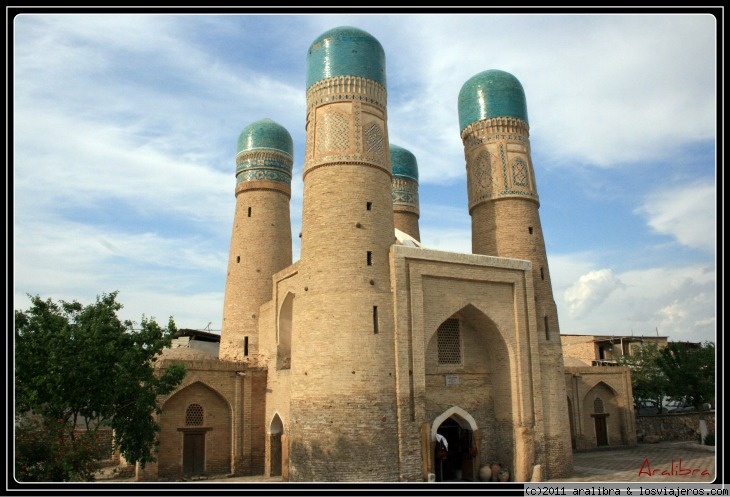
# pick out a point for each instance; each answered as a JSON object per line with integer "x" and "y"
{"x": 649, "y": 463}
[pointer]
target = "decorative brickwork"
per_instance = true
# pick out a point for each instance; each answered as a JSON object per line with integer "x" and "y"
{"x": 346, "y": 124}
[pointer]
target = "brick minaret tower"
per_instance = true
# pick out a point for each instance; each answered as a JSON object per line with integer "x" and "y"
{"x": 261, "y": 243}
{"x": 503, "y": 204}
{"x": 343, "y": 360}
{"x": 405, "y": 191}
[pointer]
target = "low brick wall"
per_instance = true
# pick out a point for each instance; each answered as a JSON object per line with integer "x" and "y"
{"x": 677, "y": 427}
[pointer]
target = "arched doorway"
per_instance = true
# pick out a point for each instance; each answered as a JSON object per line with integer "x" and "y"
{"x": 276, "y": 430}
{"x": 456, "y": 432}
{"x": 599, "y": 418}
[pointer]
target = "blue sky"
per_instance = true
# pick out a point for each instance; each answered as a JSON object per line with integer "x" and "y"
{"x": 124, "y": 131}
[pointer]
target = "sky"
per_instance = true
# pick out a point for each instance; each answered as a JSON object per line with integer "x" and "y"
{"x": 124, "y": 124}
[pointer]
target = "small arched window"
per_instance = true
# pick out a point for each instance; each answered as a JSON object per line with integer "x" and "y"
{"x": 598, "y": 406}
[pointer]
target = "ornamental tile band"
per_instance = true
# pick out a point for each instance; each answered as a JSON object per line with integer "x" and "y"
{"x": 347, "y": 88}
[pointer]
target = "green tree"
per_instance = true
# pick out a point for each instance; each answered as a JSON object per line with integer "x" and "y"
{"x": 79, "y": 365}
{"x": 690, "y": 372}
{"x": 648, "y": 381}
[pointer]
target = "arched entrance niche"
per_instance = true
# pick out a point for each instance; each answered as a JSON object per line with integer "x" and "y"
{"x": 198, "y": 440}
{"x": 468, "y": 364}
{"x": 276, "y": 431}
{"x": 283, "y": 335}
{"x": 602, "y": 421}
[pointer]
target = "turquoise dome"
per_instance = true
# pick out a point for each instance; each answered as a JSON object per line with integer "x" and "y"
{"x": 489, "y": 94}
{"x": 404, "y": 163}
{"x": 345, "y": 51}
{"x": 265, "y": 134}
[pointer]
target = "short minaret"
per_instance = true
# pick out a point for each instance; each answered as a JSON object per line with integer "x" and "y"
{"x": 405, "y": 191}
{"x": 503, "y": 204}
{"x": 343, "y": 357}
{"x": 261, "y": 243}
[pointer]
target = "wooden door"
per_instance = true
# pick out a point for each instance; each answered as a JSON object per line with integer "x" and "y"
{"x": 275, "y": 454}
{"x": 193, "y": 454}
{"x": 601, "y": 430}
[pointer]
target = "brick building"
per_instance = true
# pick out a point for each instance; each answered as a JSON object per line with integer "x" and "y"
{"x": 350, "y": 363}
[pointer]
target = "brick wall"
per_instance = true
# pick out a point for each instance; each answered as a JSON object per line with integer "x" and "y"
{"x": 679, "y": 427}
{"x": 261, "y": 245}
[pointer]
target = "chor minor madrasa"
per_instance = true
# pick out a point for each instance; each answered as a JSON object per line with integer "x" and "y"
{"x": 373, "y": 358}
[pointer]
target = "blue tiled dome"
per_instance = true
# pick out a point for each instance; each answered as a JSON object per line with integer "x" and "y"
{"x": 404, "y": 163}
{"x": 265, "y": 153}
{"x": 489, "y": 94}
{"x": 265, "y": 134}
{"x": 345, "y": 51}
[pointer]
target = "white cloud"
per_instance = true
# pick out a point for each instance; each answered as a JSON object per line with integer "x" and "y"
{"x": 679, "y": 302}
{"x": 685, "y": 213}
{"x": 68, "y": 260}
{"x": 590, "y": 291}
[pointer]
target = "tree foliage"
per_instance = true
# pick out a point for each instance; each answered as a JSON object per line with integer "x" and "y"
{"x": 79, "y": 365}
{"x": 648, "y": 381}
{"x": 690, "y": 372}
{"x": 679, "y": 370}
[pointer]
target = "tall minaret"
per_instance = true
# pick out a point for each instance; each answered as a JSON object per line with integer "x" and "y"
{"x": 343, "y": 358}
{"x": 503, "y": 204}
{"x": 405, "y": 191}
{"x": 261, "y": 243}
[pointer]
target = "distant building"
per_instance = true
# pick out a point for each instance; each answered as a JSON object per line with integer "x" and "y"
{"x": 199, "y": 340}
{"x": 604, "y": 350}
{"x": 600, "y": 397}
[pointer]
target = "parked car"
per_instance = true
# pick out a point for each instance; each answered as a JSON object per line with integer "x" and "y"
{"x": 648, "y": 407}
{"x": 679, "y": 406}
{"x": 684, "y": 406}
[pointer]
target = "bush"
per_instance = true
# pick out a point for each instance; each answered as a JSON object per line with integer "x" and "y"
{"x": 52, "y": 451}
{"x": 709, "y": 439}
